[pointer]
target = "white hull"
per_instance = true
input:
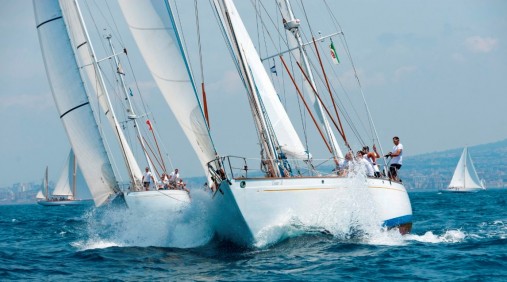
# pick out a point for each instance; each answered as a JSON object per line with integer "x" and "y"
{"x": 461, "y": 190}
{"x": 245, "y": 212}
{"x": 61, "y": 203}
{"x": 160, "y": 201}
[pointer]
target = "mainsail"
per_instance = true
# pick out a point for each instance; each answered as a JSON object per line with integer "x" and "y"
{"x": 72, "y": 101}
{"x": 154, "y": 30}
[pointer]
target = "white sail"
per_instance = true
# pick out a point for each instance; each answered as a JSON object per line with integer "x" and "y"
{"x": 465, "y": 176}
{"x": 152, "y": 26}
{"x": 40, "y": 196}
{"x": 86, "y": 58}
{"x": 72, "y": 101}
{"x": 286, "y": 135}
{"x": 64, "y": 185}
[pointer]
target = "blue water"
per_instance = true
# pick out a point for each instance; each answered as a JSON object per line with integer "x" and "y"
{"x": 456, "y": 237}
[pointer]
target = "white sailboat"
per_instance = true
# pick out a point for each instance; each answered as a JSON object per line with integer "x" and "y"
{"x": 249, "y": 205}
{"x": 465, "y": 178}
{"x": 154, "y": 30}
{"x": 65, "y": 192}
{"x": 70, "y": 62}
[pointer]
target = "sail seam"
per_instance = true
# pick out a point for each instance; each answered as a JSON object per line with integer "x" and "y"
{"x": 50, "y": 20}
{"x": 79, "y": 106}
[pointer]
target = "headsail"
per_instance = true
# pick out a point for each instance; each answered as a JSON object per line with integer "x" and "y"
{"x": 154, "y": 30}
{"x": 72, "y": 101}
{"x": 240, "y": 41}
{"x": 63, "y": 186}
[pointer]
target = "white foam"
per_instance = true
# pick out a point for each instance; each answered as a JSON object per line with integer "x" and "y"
{"x": 352, "y": 216}
{"x": 450, "y": 236}
{"x": 90, "y": 245}
{"x": 121, "y": 227}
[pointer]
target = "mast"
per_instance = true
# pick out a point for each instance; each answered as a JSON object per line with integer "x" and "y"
{"x": 465, "y": 172}
{"x": 74, "y": 172}
{"x": 291, "y": 25}
{"x": 268, "y": 152}
{"x": 46, "y": 184}
{"x": 155, "y": 32}
{"x": 132, "y": 115}
{"x": 133, "y": 169}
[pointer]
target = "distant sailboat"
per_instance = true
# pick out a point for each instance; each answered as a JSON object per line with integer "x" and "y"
{"x": 64, "y": 193}
{"x": 465, "y": 178}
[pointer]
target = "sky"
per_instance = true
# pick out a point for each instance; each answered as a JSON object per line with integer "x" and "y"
{"x": 433, "y": 72}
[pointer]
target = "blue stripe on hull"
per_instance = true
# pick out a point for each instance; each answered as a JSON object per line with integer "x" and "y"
{"x": 397, "y": 221}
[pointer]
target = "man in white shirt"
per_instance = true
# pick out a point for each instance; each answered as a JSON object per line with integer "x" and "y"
{"x": 173, "y": 177}
{"x": 366, "y": 164}
{"x": 147, "y": 177}
{"x": 397, "y": 158}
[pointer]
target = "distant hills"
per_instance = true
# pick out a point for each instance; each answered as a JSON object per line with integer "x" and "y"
{"x": 434, "y": 170}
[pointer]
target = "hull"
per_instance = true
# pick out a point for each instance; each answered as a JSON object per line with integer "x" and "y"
{"x": 61, "y": 203}
{"x": 247, "y": 207}
{"x": 157, "y": 201}
{"x": 461, "y": 190}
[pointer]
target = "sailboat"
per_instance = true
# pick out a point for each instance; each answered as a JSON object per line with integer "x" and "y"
{"x": 465, "y": 178}
{"x": 64, "y": 193}
{"x": 153, "y": 27}
{"x": 248, "y": 205}
{"x": 70, "y": 62}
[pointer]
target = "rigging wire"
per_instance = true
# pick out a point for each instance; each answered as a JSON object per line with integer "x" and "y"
{"x": 347, "y": 50}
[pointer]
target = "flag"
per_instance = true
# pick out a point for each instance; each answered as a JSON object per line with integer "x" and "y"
{"x": 273, "y": 70}
{"x": 334, "y": 55}
{"x": 149, "y": 124}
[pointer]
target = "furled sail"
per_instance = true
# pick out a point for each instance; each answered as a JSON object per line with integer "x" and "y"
{"x": 154, "y": 30}
{"x": 236, "y": 32}
{"x": 72, "y": 101}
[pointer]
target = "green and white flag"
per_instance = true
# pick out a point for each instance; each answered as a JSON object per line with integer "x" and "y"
{"x": 334, "y": 55}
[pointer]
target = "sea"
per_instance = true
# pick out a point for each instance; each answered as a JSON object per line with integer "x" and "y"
{"x": 455, "y": 237}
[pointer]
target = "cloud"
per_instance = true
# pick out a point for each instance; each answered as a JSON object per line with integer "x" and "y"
{"x": 458, "y": 57}
{"x": 403, "y": 71}
{"x": 480, "y": 44}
